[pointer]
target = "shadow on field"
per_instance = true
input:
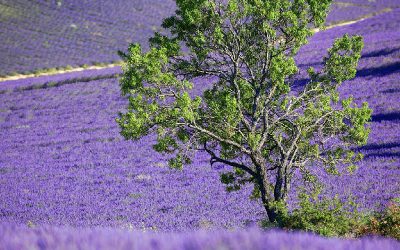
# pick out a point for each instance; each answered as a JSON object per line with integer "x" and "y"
{"x": 390, "y": 91}
{"x": 375, "y": 150}
{"x": 376, "y": 146}
{"x": 380, "y": 71}
{"x": 386, "y": 117}
{"x": 382, "y": 155}
{"x": 382, "y": 52}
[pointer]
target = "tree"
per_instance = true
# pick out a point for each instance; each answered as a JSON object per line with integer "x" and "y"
{"x": 251, "y": 118}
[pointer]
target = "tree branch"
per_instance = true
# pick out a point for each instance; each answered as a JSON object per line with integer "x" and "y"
{"x": 215, "y": 158}
{"x": 218, "y": 138}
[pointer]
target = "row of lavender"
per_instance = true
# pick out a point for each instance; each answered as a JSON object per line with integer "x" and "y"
{"x": 64, "y": 163}
{"x": 49, "y": 34}
{"x": 17, "y": 237}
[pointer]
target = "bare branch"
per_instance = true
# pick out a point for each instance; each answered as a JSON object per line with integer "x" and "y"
{"x": 215, "y": 158}
{"x": 216, "y": 137}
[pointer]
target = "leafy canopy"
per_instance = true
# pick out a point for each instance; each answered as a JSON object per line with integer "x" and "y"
{"x": 253, "y": 117}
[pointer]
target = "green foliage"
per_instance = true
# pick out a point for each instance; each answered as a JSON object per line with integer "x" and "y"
{"x": 234, "y": 180}
{"x": 333, "y": 217}
{"x": 178, "y": 161}
{"x": 386, "y": 223}
{"x": 247, "y": 119}
{"x": 343, "y": 58}
{"x": 322, "y": 215}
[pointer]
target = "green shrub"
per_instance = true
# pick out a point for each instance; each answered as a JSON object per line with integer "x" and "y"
{"x": 68, "y": 67}
{"x": 332, "y": 217}
{"x": 324, "y": 216}
{"x": 386, "y": 223}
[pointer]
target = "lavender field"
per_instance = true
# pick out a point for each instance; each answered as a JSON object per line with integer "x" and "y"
{"x": 47, "y": 34}
{"x": 106, "y": 238}
{"x": 66, "y": 171}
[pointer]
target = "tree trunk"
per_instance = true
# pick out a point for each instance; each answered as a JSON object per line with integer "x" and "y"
{"x": 270, "y": 195}
{"x": 278, "y": 190}
{"x": 275, "y": 214}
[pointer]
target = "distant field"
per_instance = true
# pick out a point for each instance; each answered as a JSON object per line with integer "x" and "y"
{"x": 49, "y": 34}
{"x": 347, "y": 10}
{"x": 44, "y": 34}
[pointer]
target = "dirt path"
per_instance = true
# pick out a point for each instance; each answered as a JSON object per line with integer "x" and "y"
{"x": 20, "y": 76}
{"x": 56, "y": 72}
{"x": 355, "y": 20}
